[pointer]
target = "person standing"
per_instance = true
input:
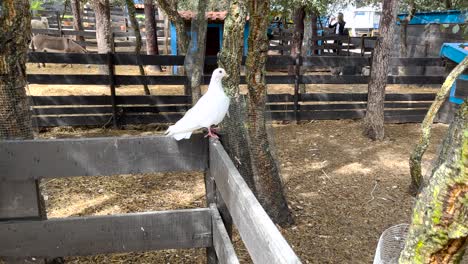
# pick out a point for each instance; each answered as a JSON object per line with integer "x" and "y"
{"x": 339, "y": 26}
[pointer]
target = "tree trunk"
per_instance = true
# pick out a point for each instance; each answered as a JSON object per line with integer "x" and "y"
{"x": 448, "y": 4}
{"x": 136, "y": 31}
{"x": 267, "y": 180}
{"x": 420, "y": 149}
{"x": 103, "y": 28}
{"x": 230, "y": 58}
{"x": 195, "y": 58}
{"x": 77, "y": 23}
{"x": 404, "y": 34}
{"x": 438, "y": 232}
{"x": 15, "y": 113}
{"x": 314, "y": 19}
{"x": 298, "y": 35}
{"x": 14, "y": 108}
{"x": 151, "y": 33}
{"x": 170, "y": 8}
{"x": 374, "y": 119}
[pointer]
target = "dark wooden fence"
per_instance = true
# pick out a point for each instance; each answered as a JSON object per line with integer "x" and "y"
{"x": 124, "y": 110}
{"x": 26, "y": 234}
{"x": 322, "y": 45}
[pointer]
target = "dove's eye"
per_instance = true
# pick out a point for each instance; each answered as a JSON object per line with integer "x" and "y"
{"x": 220, "y": 71}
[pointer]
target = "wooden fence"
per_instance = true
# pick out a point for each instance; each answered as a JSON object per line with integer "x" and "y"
{"x": 322, "y": 45}
{"x": 25, "y": 234}
{"x": 120, "y": 27}
{"x": 124, "y": 110}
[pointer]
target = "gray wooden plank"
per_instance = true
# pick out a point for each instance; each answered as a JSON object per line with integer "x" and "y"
{"x": 19, "y": 199}
{"x": 221, "y": 241}
{"x": 262, "y": 239}
{"x": 100, "y": 156}
{"x": 80, "y": 236}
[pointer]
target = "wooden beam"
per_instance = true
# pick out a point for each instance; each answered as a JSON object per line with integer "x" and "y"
{"x": 81, "y": 236}
{"x": 259, "y": 234}
{"x": 221, "y": 241}
{"x": 100, "y": 156}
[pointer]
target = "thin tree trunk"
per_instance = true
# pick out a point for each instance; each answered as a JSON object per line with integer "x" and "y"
{"x": 230, "y": 58}
{"x": 448, "y": 4}
{"x": 151, "y": 33}
{"x": 103, "y": 28}
{"x": 374, "y": 119}
{"x": 404, "y": 34}
{"x": 170, "y": 8}
{"x": 421, "y": 147}
{"x": 314, "y": 19}
{"x": 438, "y": 232}
{"x": 267, "y": 180}
{"x": 298, "y": 35}
{"x": 136, "y": 31}
{"x": 77, "y": 23}
{"x": 195, "y": 59}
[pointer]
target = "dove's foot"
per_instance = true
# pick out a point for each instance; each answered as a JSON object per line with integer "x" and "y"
{"x": 211, "y": 134}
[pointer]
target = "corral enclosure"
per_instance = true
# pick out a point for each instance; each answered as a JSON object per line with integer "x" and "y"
{"x": 330, "y": 154}
{"x": 343, "y": 190}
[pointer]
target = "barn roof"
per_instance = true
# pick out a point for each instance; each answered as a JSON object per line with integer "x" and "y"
{"x": 211, "y": 16}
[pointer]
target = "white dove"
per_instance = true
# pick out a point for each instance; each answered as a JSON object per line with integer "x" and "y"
{"x": 209, "y": 110}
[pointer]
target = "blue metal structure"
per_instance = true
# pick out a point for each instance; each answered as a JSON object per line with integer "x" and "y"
{"x": 439, "y": 17}
{"x": 220, "y": 27}
{"x": 456, "y": 53}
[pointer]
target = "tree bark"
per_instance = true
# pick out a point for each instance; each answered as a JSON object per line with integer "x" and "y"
{"x": 230, "y": 58}
{"x": 423, "y": 143}
{"x": 77, "y": 23}
{"x": 170, "y": 8}
{"x": 267, "y": 180}
{"x": 404, "y": 34}
{"x": 136, "y": 31}
{"x": 195, "y": 58}
{"x": 298, "y": 35}
{"x": 15, "y": 113}
{"x": 374, "y": 119}
{"x": 103, "y": 28}
{"x": 14, "y": 108}
{"x": 438, "y": 232}
{"x": 314, "y": 18}
{"x": 151, "y": 33}
{"x": 448, "y": 4}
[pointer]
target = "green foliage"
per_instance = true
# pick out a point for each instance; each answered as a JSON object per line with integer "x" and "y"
{"x": 431, "y": 5}
{"x": 36, "y": 5}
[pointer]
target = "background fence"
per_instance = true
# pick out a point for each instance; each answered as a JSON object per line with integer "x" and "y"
{"x": 124, "y": 110}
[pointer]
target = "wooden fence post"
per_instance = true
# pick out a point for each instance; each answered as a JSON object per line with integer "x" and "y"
{"x": 110, "y": 65}
{"x": 297, "y": 82}
{"x": 210, "y": 189}
{"x": 59, "y": 23}
{"x": 214, "y": 197}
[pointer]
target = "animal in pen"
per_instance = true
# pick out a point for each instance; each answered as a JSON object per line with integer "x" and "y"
{"x": 44, "y": 43}
{"x": 40, "y": 24}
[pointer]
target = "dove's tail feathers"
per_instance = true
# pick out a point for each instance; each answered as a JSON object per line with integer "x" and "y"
{"x": 177, "y": 135}
{"x": 182, "y": 136}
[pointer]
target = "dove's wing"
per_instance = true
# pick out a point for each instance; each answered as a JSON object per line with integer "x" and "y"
{"x": 194, "y": 118}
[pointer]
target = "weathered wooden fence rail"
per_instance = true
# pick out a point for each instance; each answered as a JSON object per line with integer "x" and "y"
{"x": 24, "y": 234}
{"x": 99, "y": 110}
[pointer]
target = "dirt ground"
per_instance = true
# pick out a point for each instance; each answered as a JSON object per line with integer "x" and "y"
{"x": 343, "y": 189}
